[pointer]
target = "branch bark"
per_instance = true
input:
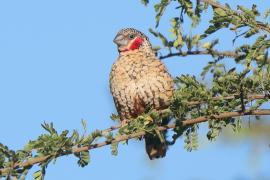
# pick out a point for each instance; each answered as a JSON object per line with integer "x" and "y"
{"x": 187, "y": 122}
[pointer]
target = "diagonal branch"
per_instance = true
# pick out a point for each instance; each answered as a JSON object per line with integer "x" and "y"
{"x": 194, "y": 103}
{"x": 187, "y": 122}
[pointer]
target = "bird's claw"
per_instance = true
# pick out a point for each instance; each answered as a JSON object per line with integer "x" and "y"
{"x": 124, "y": 122}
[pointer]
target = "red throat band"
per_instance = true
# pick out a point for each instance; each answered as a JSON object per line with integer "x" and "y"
{"x": 137, "y": 42}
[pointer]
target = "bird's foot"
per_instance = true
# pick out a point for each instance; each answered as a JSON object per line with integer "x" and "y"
{"x": 124, "y": 122}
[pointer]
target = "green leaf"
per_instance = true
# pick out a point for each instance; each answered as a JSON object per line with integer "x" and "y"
{"x": 266, "y": 13}
{"x": 38, "y": 175}
{"x": 206, "y": 69}
{"x": 84, "y": 158}
{"x": 251, "y": 32}
{"x": 114, "y": 149}
{"x": 49, "y": 128}
{"x": 191, "y": 139}
{"x": 145, "y": 2}
{"x": 84, "y": 124}
{"x": 220, "y": 12}
{"x": 160, "y": 9}
{"x": 115, "y": 117}
{"x": 237, "y": 125}
{"x": 163, "y": 39}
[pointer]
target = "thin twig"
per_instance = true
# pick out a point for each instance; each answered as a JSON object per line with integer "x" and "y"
{"x": 229, "y": 54}
{"x": 112, "y": 128}
{"x": 235, "y": 96}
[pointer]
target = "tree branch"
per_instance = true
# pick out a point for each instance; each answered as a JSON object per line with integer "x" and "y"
{"x": 193, "y": 103}
{"x": 187, "y": 122}
{"x": 234, "y": 96}
{"x": 230, "y": 54}
{"x": 214, "y": 4}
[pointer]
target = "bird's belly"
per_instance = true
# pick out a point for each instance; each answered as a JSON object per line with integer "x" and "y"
{"x": 137, "y": 87}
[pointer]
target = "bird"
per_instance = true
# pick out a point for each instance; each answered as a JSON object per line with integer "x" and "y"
{"x": 139, "y": 80}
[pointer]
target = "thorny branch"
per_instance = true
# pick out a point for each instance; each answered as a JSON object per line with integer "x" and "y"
{"x": 187, "y": 122}
{"x": 193, "y": 103}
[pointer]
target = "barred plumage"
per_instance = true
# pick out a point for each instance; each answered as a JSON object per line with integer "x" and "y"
{"x": 139, "y": 80}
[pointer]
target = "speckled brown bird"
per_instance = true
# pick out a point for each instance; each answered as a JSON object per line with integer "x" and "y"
{"x": 139, "y": 80}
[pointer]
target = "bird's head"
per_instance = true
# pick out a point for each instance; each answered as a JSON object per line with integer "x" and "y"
{"x": 130, "y": 39}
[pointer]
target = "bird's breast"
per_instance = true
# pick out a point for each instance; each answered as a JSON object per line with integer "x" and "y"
{"x": 132, "y": 67}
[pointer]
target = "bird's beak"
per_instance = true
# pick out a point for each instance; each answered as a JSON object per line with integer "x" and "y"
{"x": 120, "y": 40}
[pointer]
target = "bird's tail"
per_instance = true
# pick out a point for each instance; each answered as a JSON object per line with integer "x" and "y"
{"x": 155, "y": 145}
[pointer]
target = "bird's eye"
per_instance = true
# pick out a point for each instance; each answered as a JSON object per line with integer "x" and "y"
{"x": 131, "y": 36}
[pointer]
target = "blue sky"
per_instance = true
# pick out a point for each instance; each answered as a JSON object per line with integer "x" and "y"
{"x": 55, "y": 59}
